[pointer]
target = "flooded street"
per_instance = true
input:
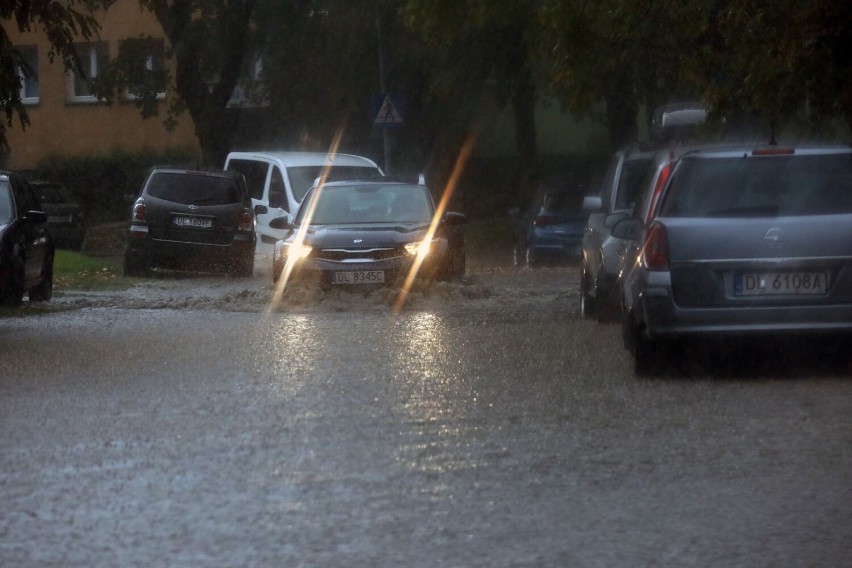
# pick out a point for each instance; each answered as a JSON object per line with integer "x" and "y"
{"x": 189, "y": 422}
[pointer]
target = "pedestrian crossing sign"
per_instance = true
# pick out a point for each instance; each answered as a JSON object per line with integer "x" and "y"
{"x": 387, "y": 112}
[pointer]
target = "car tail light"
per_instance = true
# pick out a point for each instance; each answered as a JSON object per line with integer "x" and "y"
{"x": 658, "y": 190}
{"x": 545, "y": 220}
{"x": 655, "y": 251}
{"x": 139, "y": 212}
{"x": 246, "y": 220}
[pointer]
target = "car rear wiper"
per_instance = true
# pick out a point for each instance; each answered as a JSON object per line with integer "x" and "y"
{"x": 751, "y": 211}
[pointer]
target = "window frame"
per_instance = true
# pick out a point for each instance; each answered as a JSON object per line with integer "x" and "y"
{"x": 156, "y": 61}
{"x": 97, "y": 54}
{"x": 27, "y": 83}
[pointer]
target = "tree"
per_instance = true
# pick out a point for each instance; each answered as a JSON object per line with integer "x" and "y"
{"x": 63, "y": 22}
{"x": 788, "y": 63}
{"x": 624, "y": 54}
{"x": 479, "y": 47}
{"x": 209, "y": 40}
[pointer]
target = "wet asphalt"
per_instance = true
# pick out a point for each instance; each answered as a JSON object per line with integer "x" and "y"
{"x": 198, "y": 421}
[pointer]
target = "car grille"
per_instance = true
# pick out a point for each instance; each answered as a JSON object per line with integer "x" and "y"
{"x": 372, "y": 254}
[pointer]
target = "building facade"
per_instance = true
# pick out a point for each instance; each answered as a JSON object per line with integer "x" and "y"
{"x": 66, "y": 120}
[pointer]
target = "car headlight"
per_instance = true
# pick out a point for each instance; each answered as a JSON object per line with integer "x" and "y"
{"x": 297, "y": 251}
{"x": 420, "y": 248}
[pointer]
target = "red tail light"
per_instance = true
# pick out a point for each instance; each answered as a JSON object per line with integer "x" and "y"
{"x": 655, "y": 251}
{"x": 246, "y": 220}
{"x": 139, "y": 212}
{"x": 658, "y": 189}
{"x": 545, "y": 220}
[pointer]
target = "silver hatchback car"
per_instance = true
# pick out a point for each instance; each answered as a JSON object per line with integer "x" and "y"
{"x": 745, "y": 241}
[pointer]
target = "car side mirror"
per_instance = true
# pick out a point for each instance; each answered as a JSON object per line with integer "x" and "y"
{"x": 627, "y": 229}
{"x": 34, "y": 216}
{"x": 454, "y": 219}
{"x": 613, "y": 218}
{"x": 591, "y": 204}
{"x": 280, "y": 223}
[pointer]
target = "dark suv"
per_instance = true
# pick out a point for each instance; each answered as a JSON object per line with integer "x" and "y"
{"x": 191, "y": 219}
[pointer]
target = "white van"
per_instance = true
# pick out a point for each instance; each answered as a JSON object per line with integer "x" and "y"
{"x": 278, "y": 181}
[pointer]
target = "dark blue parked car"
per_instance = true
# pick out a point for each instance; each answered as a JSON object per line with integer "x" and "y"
{"x": 550, "y": 231}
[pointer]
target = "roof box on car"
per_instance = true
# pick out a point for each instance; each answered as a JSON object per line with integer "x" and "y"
{"x": 677, "y": 121}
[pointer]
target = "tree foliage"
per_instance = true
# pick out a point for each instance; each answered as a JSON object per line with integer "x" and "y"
{"x": 62, "y": 21}
{"x": 309, "y": 67}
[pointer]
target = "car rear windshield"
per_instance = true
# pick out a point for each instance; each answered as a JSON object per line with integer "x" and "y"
{"x": 760, "y": 186}
{"x": 562, "y": 203}
{"x": 51, "y": 193}
{"x": 194, "y": 189}
{"x": 303, "y": 177}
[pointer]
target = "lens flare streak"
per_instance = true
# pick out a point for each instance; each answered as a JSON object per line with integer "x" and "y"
{"x": 461, "y": 161}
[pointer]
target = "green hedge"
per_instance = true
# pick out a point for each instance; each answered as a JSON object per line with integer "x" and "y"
{"x": 101, "y": 183}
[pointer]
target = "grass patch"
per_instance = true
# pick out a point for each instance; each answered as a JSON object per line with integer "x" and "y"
{"x": 73, "y": 271}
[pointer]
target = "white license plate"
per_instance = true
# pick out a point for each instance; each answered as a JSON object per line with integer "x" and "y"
{"x": 780, "y": 283}
{"x": 195, "y": 222}
{"x": 359, "y": 277}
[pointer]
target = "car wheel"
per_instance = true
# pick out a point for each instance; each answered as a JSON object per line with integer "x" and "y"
{"x": 608, "y": 308}
{"x": 646, "y": 359}
{"x": 243, "y": 267}
{"x": 13, "y": 292}
{"x": 455, "y": 267}
{"x": 43, "y": 292}
{"x": 587, "y": 301}
{"x": 133, "y": 266}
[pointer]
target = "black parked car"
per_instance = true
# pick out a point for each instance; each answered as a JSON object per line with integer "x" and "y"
{"x": 349, "y": 233}
{"x": 64, "y": 214}
{"x": 26, "y": 247}
{"x": 191, "y": 219}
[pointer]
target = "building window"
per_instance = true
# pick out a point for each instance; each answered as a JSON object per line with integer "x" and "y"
{"x": 28, "y": 74}
{"x": 146, "y": 67}
{"x": 93, "y": 57}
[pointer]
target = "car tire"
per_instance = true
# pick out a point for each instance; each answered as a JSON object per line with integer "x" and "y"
{"x": 134, "y": 267}
{"x": 13, "y": 292}
{"x": 608, "y": 308}
{"x": 642, "y": 349}
{"x": 646, "y": 357}
{"x": 43, "y": 291}
{"x": 454, "y": 269}
{"x": 243, "y": 267}
{"x": 588, "y": 304}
